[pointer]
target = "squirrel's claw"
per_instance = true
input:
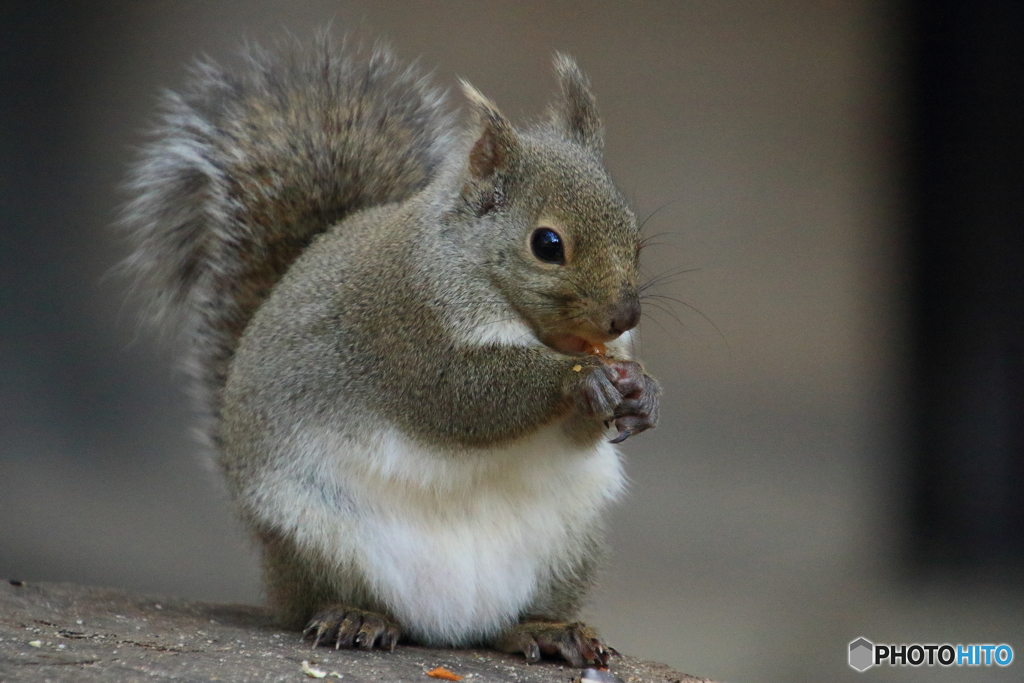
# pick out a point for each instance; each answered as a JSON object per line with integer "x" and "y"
{"x": 350, "y": 627}
{"x": 621, "y": 436}
{"x": 575, "y": 642}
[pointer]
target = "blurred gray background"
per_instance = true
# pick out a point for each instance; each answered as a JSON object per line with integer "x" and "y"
{"x": 771, "y": 516}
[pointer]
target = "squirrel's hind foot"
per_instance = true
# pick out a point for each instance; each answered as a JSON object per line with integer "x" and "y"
{"x": 576, "y": 642}
{"x": 350, "y": 627}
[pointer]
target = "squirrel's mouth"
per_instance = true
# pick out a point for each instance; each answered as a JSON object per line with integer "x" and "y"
{"x": 575, "y": 345}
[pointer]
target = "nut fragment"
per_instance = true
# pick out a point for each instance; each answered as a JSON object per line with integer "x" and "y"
{"x": 601, "y": 675}
{"x": 312, "y": 672}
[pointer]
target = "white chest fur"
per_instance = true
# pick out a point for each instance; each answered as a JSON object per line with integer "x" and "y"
{"x": 455, "y": 544}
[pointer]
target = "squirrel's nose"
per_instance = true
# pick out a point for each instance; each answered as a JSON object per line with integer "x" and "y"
{"x": 625, "y": 315}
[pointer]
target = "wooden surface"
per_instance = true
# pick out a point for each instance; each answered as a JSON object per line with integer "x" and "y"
{"x": 64, "y": 632}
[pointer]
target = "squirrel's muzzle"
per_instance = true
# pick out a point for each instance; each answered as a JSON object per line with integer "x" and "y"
{"x": 625, "y": 315}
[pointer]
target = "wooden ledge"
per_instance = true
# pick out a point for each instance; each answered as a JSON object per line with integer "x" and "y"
{"x": 66, "y": 632}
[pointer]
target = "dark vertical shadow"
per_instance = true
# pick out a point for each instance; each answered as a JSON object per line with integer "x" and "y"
{"x": 59, "y": 379}
{"x": 967, "y": 248}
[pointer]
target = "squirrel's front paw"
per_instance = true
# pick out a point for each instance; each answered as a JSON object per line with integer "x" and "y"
{"x": 598, "y": 396}
{"x": 351, "y": 627}
{"x": 620, "y": 391}
{"x": 576, "y": 642}
{"x": 638, "y": 409}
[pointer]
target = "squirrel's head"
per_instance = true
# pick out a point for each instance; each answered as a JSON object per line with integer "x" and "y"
{"x": 553, "y": 234}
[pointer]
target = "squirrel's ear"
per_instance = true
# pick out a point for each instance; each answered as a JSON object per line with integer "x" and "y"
{"x": 496, "y": 145}
{"x": 495, "y": 152}
{"x": 575, "y": 112}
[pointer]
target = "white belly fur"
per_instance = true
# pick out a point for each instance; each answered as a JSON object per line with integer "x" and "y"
{"x": 455, "y": 544}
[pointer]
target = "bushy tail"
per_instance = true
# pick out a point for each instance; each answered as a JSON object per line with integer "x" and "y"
{"x": 246, "y": 168}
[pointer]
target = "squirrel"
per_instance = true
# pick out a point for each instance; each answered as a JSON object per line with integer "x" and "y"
{"x": 410, "y": 344}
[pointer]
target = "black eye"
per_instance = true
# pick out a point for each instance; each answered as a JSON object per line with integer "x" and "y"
{"x": 547, "y": 246}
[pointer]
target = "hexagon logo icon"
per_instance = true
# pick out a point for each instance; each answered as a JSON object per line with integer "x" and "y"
{"x": 862, "y": 654}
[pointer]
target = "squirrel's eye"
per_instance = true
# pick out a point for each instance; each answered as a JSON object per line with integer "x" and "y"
{"x": 547, "y": 246}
